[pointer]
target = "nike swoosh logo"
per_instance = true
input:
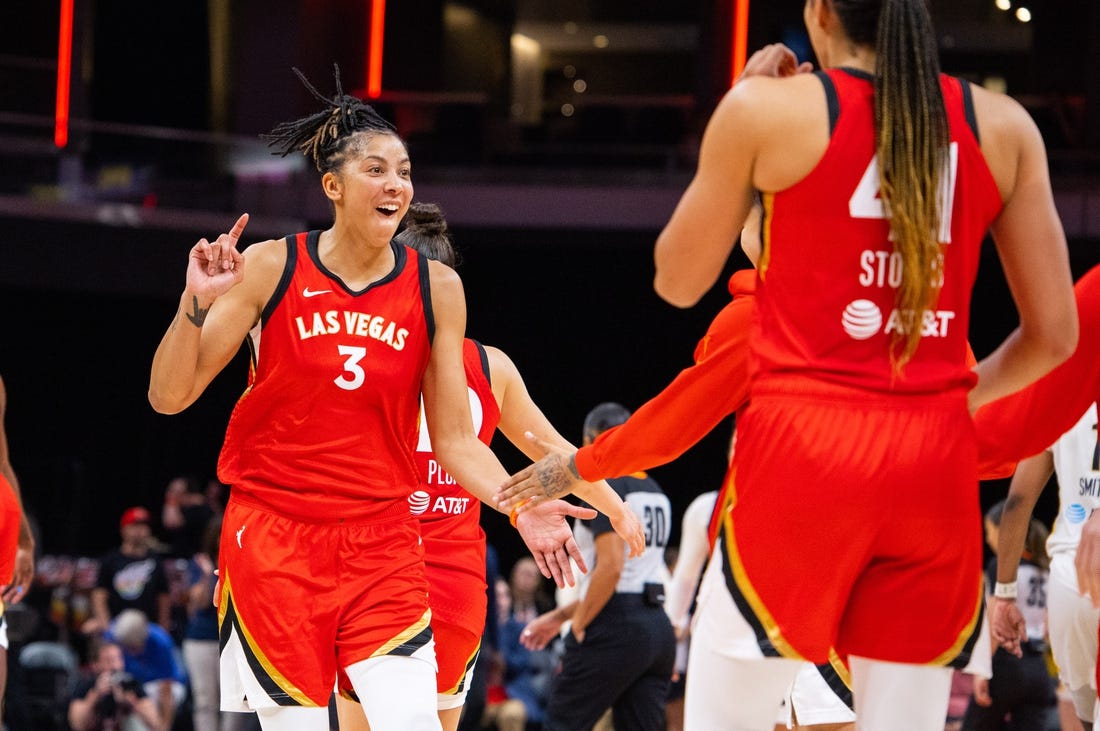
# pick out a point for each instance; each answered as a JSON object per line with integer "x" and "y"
{"x": 307, "y": 292}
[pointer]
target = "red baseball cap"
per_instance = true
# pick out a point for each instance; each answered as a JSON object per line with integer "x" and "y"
{"x": 134, "y": 515}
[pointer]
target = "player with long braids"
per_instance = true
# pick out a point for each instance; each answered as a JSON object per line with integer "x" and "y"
{"x": 856, "y": 512}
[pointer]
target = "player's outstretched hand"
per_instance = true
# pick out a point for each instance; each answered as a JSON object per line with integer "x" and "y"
{"x": 554, "y": 476}
{"x": 550, "y": 541}
{"x": 549, "y": 478}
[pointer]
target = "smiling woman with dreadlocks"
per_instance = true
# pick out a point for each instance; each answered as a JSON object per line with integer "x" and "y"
{"x": 321, "y": 571}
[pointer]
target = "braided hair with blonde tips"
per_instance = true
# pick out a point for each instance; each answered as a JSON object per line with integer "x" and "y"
{"x": 328, "y": 136}
{"x": 912, "y": 143}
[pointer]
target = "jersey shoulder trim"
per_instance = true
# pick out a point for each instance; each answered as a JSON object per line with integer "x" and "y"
{"x": 292, "y": 242}
{"x": 832, "y": 100}
{"x": 426, "y": 296}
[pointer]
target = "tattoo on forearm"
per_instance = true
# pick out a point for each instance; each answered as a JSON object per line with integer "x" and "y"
{"x": 554, "y": 478}
{"x": 198, "y": 314}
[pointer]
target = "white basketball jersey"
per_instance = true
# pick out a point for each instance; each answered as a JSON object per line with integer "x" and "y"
{"x": 1076, "y": 457}
{"x": 1032, "y": 599}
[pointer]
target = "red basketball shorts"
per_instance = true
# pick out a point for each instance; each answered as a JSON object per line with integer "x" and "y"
{"x": 856, "y": 525}
{"x": 301, "y": 601}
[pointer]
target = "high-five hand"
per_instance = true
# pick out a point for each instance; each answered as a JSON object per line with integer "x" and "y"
{"x": 548, "y": 537}
{"x": 549, "y": 478}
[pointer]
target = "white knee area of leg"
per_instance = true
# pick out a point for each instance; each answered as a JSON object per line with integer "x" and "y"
{"x": 293, "y": 718}
{"x": 397, "y": 692}
{"x": 748, "y": 698}
{"x": 446, "y": 702}
{"x": 1084, "y": 702}
{"x": 899, "y": 696}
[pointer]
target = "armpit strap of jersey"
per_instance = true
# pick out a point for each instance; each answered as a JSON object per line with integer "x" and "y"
{"x": 284, "y": 280}
{"x": 832, "y": 99}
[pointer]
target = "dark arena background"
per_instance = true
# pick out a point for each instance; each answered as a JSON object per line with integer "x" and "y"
{"x": 556, "y": 135}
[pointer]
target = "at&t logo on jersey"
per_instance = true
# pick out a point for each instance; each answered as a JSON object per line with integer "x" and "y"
{"x": 862, "y": 319}
{"x": 1076, "y": 513}
{"x": 446, "y": 504}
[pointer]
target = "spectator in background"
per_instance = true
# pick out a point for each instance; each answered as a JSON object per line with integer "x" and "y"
{"x": 526, "y": 674}
{"x": 200, "y": 643}
{"x": 110, "y": 698}
{"x": 149, "y": 654}
{"x": 186, "y": 513}
{"x": 528, "y": 591}
{"x": 131, "y": 577}
{"x": 489, "y": 654}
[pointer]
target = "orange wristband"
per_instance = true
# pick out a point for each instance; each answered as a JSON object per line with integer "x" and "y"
{"x": 515, "y": 511}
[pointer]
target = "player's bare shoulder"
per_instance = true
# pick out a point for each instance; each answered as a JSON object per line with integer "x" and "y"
{"x": 269, "y": 253}
{"x": 762, "y": 100}
{"x": 444, "y": 280}
{"x": 501, "y": 367}
{"x": 264, "y": 261}
{"x": 1009, "y": 137}
{"x": 784, "y": 121}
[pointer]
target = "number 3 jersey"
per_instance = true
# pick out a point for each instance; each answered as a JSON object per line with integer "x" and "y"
{"x": 829, "y": 275}
{"x": 326, "y": 428}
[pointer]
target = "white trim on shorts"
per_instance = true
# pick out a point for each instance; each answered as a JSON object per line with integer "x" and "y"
{"x": 1071, "y": 624}
{"x": 240, "y": 690}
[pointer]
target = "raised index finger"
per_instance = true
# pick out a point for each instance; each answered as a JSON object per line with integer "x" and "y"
{"x": 238, "y": 229}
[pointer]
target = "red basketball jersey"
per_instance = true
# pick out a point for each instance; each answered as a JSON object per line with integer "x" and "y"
{"x": 1027, "y": 422}
{"x": 325, "y": 430}
{"x": 829, "y": 274}
{"x": 691, "y": 406}
{"x": 10, "y": 519}
{"x": 454, "y": 543}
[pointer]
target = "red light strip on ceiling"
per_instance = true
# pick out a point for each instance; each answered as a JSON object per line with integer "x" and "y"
{"x": 740, "y": 42}
{"x": 64, "y": 74}
{"x": 374, "y": 50}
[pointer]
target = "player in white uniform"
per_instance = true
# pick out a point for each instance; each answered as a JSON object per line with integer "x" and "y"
{"x": 817, "y": 702}
{"x": 1072, "y": 618}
